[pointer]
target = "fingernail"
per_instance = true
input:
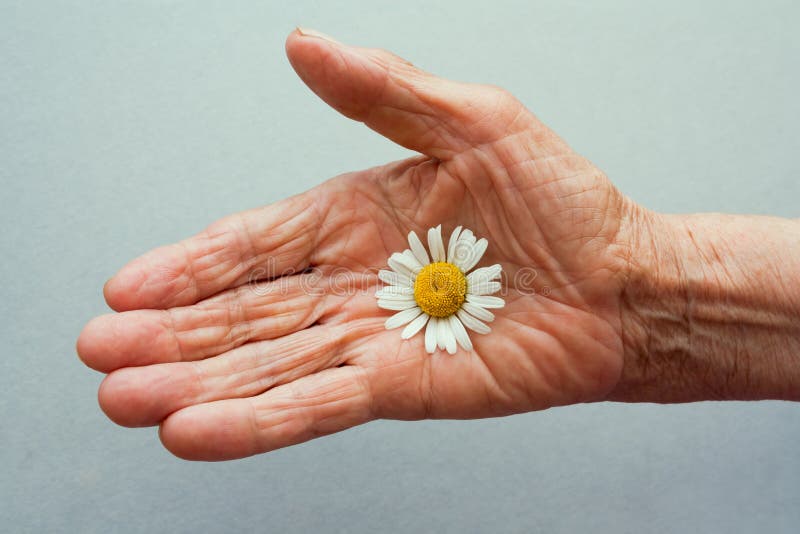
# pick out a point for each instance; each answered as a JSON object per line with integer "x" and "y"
{"x": 308, "y": 32}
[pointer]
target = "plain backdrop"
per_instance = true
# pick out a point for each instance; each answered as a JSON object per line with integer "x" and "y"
{"x": 127, "y": 125}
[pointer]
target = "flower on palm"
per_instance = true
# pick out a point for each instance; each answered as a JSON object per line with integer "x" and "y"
{"x": 438, "y": 290}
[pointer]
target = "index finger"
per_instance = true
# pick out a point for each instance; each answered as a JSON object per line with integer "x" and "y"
{"x": 276, "y": 239}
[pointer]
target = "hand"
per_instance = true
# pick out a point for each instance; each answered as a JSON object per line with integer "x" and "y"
{"x": 229, "y": 368}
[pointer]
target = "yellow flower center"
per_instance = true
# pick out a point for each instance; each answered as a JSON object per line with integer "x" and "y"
{"x": 440, "y": 289}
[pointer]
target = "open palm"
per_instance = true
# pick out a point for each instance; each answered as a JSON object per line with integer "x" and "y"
{"x": 263, "y": 331}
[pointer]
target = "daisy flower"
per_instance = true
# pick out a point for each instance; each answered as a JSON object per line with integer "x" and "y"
{"x": 439, "y": 290}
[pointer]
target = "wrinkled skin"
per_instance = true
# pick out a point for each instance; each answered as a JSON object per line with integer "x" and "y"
{"x": 230, "y": 368}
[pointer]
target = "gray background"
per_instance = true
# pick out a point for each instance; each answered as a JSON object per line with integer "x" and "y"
{"x": 126, "y": 125}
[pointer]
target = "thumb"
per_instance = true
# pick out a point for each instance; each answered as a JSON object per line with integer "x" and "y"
{"x": 413, "y": 108}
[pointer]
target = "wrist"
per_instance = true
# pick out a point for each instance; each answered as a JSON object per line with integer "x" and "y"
{"x": 711, "y": 309}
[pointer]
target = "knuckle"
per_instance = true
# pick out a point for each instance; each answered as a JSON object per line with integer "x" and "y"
{"x": 501, "y": 98}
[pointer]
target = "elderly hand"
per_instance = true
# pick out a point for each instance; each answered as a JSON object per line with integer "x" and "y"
{"x": 242, "y": 339}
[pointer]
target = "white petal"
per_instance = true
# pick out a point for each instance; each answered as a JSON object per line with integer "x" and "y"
{"x": 418, "y": 249}
{"x": 484, "y": 287}
{"x": 387, "y": 291}
{"x": 394, "y": 279}
{"x": 415, "y": 326}
{"x": 435, "y": 244}
{"x": 412, "y": 261}
{"x": 460, "y": 333}
{"x": 441, "y": 335}
{"x": 472, "y": 323}
{"x": 476, "y": 311}
{"x": 451, "y": 244}
{"x": 445, "y": 336}
{"x": 485, "y": 301}
{"x": 403, "y": 317}
{"x": 485, "y": 273}
{"x": 468, "y": 236}
{"x": 430, "y": 335}
{"x": 475, "y": 257}
{"x": 397, "y": 297}
{"x": 399, "y": 263}
{"x": 462, "y": 251}
{"x": 396, "y": 305}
